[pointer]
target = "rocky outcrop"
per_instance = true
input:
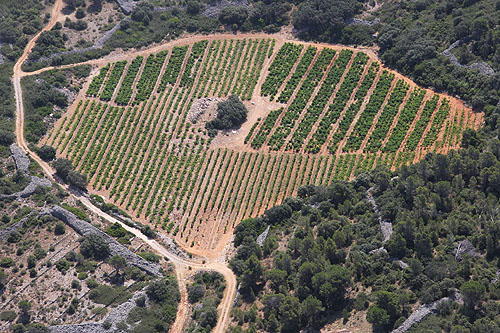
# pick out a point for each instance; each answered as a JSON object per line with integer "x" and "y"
{"x": 97, "y": 45}
{"x": 199, "y": 107}
{"x": 33, "y": 185}
{"x": 424, "y": 310}
{"x": 127, "y": 6}
{"x": 79, "y": 328}
{"x": 85, "y": 228}
{"x": 482, "y": 67}
{"x": 385, "y": 226}
{"x": 465, "y": 247}
{"x": 170, "y": 244}
{"x": 4, "y": 233}
{"x": 358, "y": 21}
{"x": 22, "y": 164}
{"x": 121, "y": 312}
{"x": 262, "y": 237}
{"x": 214, "y": 8}
{"x": 117, "y": 315}
{"x": 22, "y": 161}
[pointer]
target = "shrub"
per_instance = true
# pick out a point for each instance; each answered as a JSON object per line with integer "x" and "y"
{"x": 6, "y": 137}
{"x": 94, "y": 246}
{"x": 63, "y": 265}
{"x": 92, "y": 283}
{"x": 8, "y": 315}
{"x": 6, "y": 262}
{"x": 47, "y": 153}
{"x": 196, "y": 292}
{"x": 230, "y": 114}
{"x": 149, "y": 256}
{"x": 60, "y": 228}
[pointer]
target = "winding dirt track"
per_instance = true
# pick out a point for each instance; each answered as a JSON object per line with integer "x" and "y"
{"x": 183, "y": 267}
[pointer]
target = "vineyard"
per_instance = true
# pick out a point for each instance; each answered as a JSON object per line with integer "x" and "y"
{"x": 316, "y": 114}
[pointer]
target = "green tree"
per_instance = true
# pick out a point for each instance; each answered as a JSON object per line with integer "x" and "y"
{"x": 230, "y": 114}
{"x": 397, "y": 246}
{"x": 289, "y": 310}
{"x": 118, "y": 263}
{"x": 377, "y": 316}
{"x": 94, "y": 246}
{"x": 473, "y": 293}
{"x": 63, "y": 167}
{"x": 309, "y": 310}
{"x": 60, "y": 228}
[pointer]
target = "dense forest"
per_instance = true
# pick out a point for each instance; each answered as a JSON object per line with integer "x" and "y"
{"x": 325, "y": 255}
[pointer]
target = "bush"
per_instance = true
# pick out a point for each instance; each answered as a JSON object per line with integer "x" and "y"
{"x": 75, "y": 284}
{"x": 141, "y": 301}
{"x": 6, "y": 262}
{"x": 77, "y": 179}
{"x": 63, "y": 265}
{"x": 196, "y": 292}
{"x": 47, "y": 153}
{"x": 6, "y": 137}
{"x": 8, "y": 316}
{"x": 63, "y": 167}
{"x": 149, "y": 256}
{"x": 60, "y": 228}
{"x": 107, "y": 295}
{"x": 14, "y": 237}
{"x": 80, "y": 13}
{"x": 92, "y": 283}
{"x": 94, "y": 246}
{"x": 230, "y": 114}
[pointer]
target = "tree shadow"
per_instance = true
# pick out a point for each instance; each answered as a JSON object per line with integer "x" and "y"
{"x": 68, "y": 10}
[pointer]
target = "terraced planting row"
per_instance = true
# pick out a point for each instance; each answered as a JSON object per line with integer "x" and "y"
{"x": 346, "y": 111}
{"x": 332, "y": 114}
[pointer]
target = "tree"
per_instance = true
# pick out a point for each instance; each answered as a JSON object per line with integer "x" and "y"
{"x": 397, "y": 245}
{"x": 473, "y": 292}
{"x": 77, "y": 179}
{"x": 63, "y": 167}
{"x": 196, "y": 291}
{"x": 118, "y": 263}
{"x": 60, "y": 228}
{"x": 323, "y": 19}
{"x": 6, "y": 137}
{"x": 233, "y": 15}
{"x": 47, "y": 153}
{"x": 470, "y": 138}
{"x": 289, "y": 310}
{"x": 309, "y": 310}
{"x": 163, "y": 291}
{"x": 94, "y": 245}
{"x": 193, "y": 7}
{"x": 230, "y": 114}
{"x": 277, "y": 278}
{"x": 74, "y": 3}
{"x": 209, "y": 317}
{"x": 377, "y": 316}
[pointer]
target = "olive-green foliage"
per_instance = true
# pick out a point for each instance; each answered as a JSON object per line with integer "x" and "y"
{"x": 331, "y": 241}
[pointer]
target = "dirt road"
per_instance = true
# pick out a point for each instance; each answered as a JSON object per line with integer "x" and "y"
{"x": 183, "y": 267}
